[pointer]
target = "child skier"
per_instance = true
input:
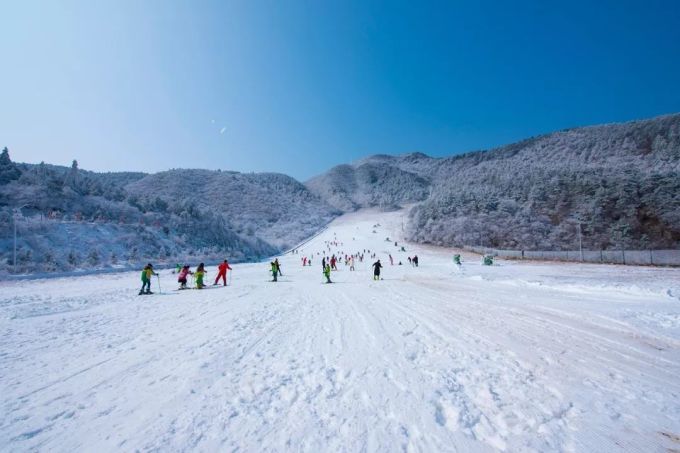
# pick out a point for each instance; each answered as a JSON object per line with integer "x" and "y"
{"x": 327, "y": 273}
{"x": 147, "y": 272}
{"x": 376, "y": 270}
{"x": 200, "y": 273}
{"x": 222, "y": 273}
{"x": 182, "y": 277}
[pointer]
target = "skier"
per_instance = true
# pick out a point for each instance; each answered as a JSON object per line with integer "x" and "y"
{"x": 182, "y": 277}
{"x": 333, "y": 261}
{"x": 222, "y": 273}
{"x": 351, "y": 263}
{"x": 274, "y": 270}
{"x": 323, "y": 263}
{"x": 415, "y": 260}
{"x": 178, "y": 268}
{"x": 200, "y": 273}
{"x": 456, "y": 259}
{"x": 376, "y": 270}
{"x": 327, "y": 273}
{"x": 391, "y": 261}
{"x": 147, "y": 272}
{"x": 278, "y": 266}
{"x": 409, "y": 260}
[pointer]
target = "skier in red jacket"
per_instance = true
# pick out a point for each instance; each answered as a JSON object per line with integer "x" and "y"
{"x": 222, "y": 273}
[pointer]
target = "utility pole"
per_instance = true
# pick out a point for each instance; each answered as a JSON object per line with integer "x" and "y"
{"x": 14, "y": 217}
{"x": 580, "y": 245}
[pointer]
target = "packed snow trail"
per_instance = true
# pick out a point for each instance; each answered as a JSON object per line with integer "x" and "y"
{"x": 514, "y": 357}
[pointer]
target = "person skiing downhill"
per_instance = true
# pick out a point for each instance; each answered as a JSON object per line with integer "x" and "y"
{"x": 182, "y": 277}
{"x": 147, "y": 272}
{"x": 376, "y": 270}
{"x": 327, "y": 273}
{"x": 200, "y": 273}
{"x": 222, "y": 273}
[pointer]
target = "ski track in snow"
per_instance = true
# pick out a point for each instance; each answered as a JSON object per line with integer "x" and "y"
{"x": 513, "y": 357}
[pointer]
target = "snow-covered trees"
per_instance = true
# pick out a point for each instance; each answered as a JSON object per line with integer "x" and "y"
{"x": 8, "y": 171}
{"x": 529, "y": 194}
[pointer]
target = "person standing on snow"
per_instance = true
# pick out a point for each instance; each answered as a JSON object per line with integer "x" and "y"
{"x": 147, "y": 272}
{"x": 200, "y": 273}
{"x": 327, "y": 273}
{"x": 278, "y": 266}
{"x": 182, "y": 277}
{"x": 222, "y": 273}
{"x": 391, "y": 261}
{"x": 376, "y": 270}
{"x": 415, "y": 260}
{"x": 274, "y": 270}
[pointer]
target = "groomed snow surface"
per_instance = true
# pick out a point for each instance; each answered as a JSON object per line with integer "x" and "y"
{"x": 511, "y": 357}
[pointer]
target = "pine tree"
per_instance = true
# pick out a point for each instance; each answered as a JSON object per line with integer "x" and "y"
{"x": 8, "y": 170}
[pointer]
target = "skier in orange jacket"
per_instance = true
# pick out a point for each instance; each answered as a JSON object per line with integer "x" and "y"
{"x": 222, "y": 273}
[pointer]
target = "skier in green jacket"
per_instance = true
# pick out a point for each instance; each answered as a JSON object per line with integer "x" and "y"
{"x": 327, "y": 273}
{"x": 274, "y": 270}
{"x": 147, "y": 272}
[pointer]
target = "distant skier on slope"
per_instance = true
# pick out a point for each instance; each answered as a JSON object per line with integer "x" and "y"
{"x": 391, "y": 260}
{"x": 278, "y": 266}
{"x": 376, "y": 270}
{"x": 415, "y": 260}
{"x": 147, "y": 272}
{"x": 200, "y": 273}
{"x": 274, "y": 270}
{"x": 327, "y": 273}
{"x": 222, "y": 273}
{"x": 182, "y": 277}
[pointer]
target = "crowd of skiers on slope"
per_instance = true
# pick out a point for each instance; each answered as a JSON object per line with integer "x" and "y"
{"x": 328, "y": 264}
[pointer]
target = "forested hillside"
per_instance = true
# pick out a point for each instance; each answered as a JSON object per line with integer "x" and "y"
{"x": 75, "y": 219}
{"x": 621, "y": 182}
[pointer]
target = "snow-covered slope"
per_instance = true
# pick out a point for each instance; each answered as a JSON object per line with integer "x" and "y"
{"x": 620, "y": 180}
{"x": 512, "y": 357}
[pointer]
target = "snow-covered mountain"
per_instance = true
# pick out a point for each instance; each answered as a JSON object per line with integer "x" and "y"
{"x": 75, "y": 219}
{"x": 620, "y": 181}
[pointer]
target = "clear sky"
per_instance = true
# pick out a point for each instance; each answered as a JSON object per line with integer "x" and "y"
{"x": 298, "y": 86}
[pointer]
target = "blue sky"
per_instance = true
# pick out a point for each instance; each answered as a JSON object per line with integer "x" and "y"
{"x": 298, "y": 86}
